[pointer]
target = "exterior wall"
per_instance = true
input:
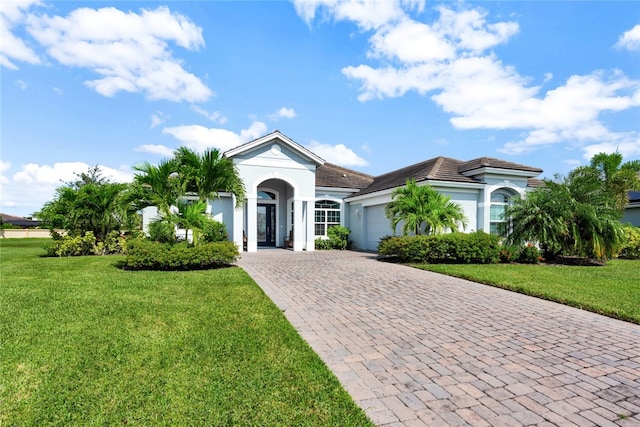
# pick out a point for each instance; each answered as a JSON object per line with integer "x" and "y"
{"x": 264, "y": 167}
{"x": 356, "y": 223}
{"x": 221, "y": 210}
{"x": 377, "y": 226}
{"x": 632, "y": 215}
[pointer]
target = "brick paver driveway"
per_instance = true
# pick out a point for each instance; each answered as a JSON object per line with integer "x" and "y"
{"x": 414, "y": 348}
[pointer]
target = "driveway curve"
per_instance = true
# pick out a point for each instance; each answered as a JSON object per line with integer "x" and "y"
{"x": 415, "y": 348}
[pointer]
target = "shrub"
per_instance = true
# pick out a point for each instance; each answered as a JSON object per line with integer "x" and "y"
{"x": 162, "y": 231}
{"x": 215, "y": 231}
{"x": 338, "y": 237}
{"x": 72, "y": 245}
{"x": 472, "y": 248}
{"x": 142, "y": 254}
{"x": 509, "y": 253}
{"x": 322, "y": 244}
{"x": 631, "y": 248}
{"x": 529, "y": 254}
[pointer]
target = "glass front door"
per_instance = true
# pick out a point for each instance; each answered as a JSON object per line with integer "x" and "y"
{"x": 266, "y": 225}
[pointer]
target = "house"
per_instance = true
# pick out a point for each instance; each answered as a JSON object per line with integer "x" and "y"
{"x": 632, "y": 210}
{"x": 294, "y": 196}
{"x": 18, "y": 221}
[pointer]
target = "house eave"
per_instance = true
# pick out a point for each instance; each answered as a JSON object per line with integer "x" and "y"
{"x": 276, "y": 135}
{"x": 499, "y": 171}
{"x": 433, "y": 183}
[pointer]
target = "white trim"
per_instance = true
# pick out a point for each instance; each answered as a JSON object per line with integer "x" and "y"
{"x": 294, "y": 146}
{"x": 449, "y": 185}
{"x": 483, "y": 170}
{"x": 270, "y": 163}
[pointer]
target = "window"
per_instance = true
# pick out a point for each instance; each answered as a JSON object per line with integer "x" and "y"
{"x": 327, "y": 215}
{"x": 500, "y": 200}
{"x": 266, "y": 195}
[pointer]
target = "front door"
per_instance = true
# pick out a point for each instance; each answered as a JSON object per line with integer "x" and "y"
{"x": 266, "y": 225}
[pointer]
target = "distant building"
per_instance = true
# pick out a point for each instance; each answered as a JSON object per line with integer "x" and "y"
{"x": 18, "y": 221}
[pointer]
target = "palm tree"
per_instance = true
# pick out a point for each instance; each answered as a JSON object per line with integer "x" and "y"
{"x": 191, "y": 217}
{"x": 615, "y": 177}
{"x": 208, "y": 174}
{"x": 155, "y": 185}
{"x": 421, "y": 208}
{"x": 568, "y": 216}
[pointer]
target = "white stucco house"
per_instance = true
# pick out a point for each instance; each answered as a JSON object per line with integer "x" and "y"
{"x": 632, "y": 210}
{"x": 294, "y": 196}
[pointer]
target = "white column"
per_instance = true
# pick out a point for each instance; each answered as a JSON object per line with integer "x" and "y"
{"x": 298, "y": 226}
{"x": 252, "y": 224}
{"x": 237, "y": 224}
{"x": 311, "y": 219}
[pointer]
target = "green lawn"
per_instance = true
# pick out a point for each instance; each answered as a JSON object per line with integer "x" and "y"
{"x": 84, "y": 343}
{"x": 612, "y": 290}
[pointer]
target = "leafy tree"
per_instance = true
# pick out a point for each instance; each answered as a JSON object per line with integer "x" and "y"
{"x": 88, "y": 205}
{"x": 421, "y": 209}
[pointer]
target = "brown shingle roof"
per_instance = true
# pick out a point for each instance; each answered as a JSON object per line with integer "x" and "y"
{"x": 442, "y": 169}
{"x": 490, "y": 162}
{"x": 330, "y": 175}
{"x": 439, "y": 169}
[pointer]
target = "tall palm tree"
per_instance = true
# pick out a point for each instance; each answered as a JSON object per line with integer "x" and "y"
{"x": 615, "y": 177}
{"x": 208, "y": 174}
{"x": 422, "y": 209}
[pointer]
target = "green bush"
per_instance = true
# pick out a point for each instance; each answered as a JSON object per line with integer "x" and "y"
{"x": 459, "y": 248}
{"x": 72, "y": 245}
{"x": 509, "y": 253}
{"x": 114, "y": 243}
{"x": 215, "y": 231}
{"x": 631, "y": 248}
{"x": 529, "y": 254}
{"x": 162, "y": 231}
{"x": 339, "y": 237}
{"x": 142, "y": 254}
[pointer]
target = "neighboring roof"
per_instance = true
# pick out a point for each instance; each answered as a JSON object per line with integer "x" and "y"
{"x": 251, "y": 145}
{"x": 19, "y": 221}
{"x": 490, "y": 162}
{"x": 330, "y": 175}
{"x": 634, "y": 196}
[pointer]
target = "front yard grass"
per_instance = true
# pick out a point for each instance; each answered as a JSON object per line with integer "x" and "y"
{"x": 612, "y": 290}
{"x": 85, "y": 343}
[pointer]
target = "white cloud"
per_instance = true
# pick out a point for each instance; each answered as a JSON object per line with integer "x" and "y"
{"x": 21, "y": 84}
{"x": 451, "y": 60}
{"x": 156, "y": 149}
{"x": 338, "y": 154}
{"x": 630, "y": 40}
{"x": 368, "y": 14}
{"x": 573, "y": 162}
{"x": 33, "y": 185}
{"x": 129, "y": 51}
{"x": 214, "y": 116}
{"x": 157, "y": 119}
{"x": 13, "y": 48}
{"x": 58, "y": 90}
{"x": 200, "y": 138}
{"x": 284, "y": 112}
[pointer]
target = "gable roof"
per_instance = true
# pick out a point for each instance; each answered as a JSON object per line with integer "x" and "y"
{"x": 445, "y": 169}
{"x": 330, "y": 175}
{"x": 275, "y": 135}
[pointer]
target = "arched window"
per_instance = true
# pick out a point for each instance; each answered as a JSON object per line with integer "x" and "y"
{"x": 327, "y": 215}
{"x": 500, "y": 200}
{"x": 266, "y": 195}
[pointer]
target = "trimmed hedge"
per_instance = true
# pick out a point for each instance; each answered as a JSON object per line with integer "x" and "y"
{"x": 338, "y": 238}
{"x": 455, "y": 248}
{"x": 148, "y": 255}
{"x": 85, "y": 245}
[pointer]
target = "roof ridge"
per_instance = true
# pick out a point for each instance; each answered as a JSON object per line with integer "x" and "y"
{"x": 436, "y": 167}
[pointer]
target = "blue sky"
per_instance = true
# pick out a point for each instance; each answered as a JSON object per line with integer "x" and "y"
{"x": 372, "y": 86}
